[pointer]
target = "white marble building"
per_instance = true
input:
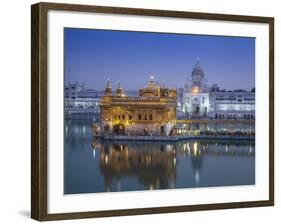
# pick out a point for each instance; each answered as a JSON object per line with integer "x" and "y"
{"x": 196, "y": 98}
{"x": 232, "y": 105}
{"x": 200, "y": 101}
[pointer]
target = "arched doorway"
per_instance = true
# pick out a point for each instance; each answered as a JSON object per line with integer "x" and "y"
{"x": 106, "y": 128}
{"x": 145, "y": 131}
{"x": 119, "y": 129}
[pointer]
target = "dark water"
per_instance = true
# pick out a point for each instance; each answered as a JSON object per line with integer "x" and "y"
{"x": 94, "y": 166}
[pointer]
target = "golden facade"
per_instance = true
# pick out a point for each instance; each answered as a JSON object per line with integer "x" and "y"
{"x": 152, "y": 112}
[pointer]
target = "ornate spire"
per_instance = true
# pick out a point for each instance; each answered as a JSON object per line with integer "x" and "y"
{"x": 108, "y": 90}
{"x": 108, "y": 85}
{"x": 119, "y": 90}
{"x": 151, "y": 81}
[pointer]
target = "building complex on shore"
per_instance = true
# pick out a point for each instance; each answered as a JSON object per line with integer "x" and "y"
{"x": 198, "y": 100}
{"x": 156, "y": 109}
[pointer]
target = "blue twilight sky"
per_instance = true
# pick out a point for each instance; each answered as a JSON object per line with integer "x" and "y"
{"x": 93, "y": 56}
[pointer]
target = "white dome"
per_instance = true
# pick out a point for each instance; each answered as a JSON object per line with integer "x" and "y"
{"x": 197, "y": 72}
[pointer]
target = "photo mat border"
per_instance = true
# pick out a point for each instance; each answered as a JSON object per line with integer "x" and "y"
{"x": 39, "y": 110}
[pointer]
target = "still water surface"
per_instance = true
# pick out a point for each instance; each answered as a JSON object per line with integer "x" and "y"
{"x": 104, "y": 166}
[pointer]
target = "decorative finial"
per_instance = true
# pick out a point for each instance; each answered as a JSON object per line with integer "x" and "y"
{"x": 197, "y": 60}
{"x": 119, "y": 90}
{"x": 151, "y": 81}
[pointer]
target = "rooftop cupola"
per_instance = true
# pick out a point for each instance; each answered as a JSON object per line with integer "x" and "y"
{"x": 108, "y": 90}
{"x": 119, "y": 90}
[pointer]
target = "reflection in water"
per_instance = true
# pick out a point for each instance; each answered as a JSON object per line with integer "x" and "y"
{"x": 153, "y": 164}
{"x": 99, "y": 166}
{"x": 196, "y": 161}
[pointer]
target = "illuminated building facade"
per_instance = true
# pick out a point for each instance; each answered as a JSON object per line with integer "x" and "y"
{"x": 81, "y": 103}
{"x": 196, "y": 94}
{"x": 152, "y": 112}
{"x": 200, "y": 101}
{"x": 232, "y": 105}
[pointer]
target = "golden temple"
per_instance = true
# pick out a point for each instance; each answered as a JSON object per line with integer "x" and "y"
{"x": 153, "y": 112}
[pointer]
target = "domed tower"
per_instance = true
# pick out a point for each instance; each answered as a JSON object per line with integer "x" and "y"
{"x": 119, "y": 90}
{"x": 197, "y": 78}
{"x": 196, "y": 94}
{"x": 151, "y": 90}
{"x": 108, "y": 90}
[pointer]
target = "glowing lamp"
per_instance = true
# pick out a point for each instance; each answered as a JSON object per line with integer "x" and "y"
{"x": 195, "y": 89}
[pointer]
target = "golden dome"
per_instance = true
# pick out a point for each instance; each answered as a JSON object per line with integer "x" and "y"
{"x": 151, "y": 89}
